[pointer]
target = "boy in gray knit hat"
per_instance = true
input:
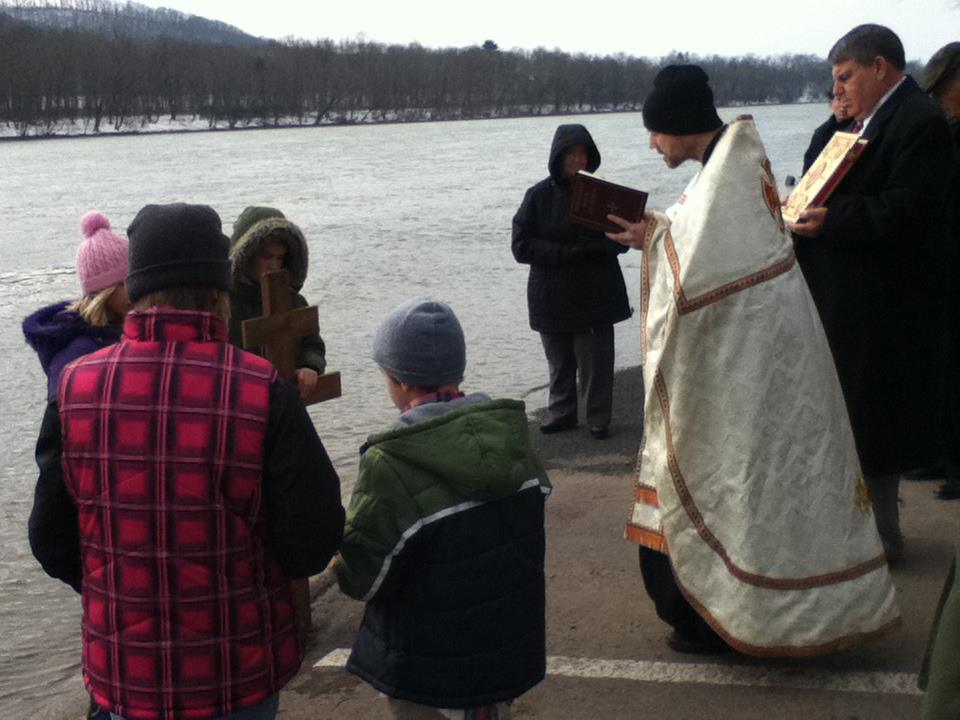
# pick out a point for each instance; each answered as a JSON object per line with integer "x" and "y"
{"x": 444, "y": 537}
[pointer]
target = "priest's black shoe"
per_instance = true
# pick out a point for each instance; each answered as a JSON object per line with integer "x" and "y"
{"x": 558, "y": 425}
{"x": 934, "y": 472}
{"x": 950, "y": 490}
{"x": 692, "y": 645}
{"x": 599, "y": 432}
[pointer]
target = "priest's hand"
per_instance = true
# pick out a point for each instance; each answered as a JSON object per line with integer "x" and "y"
{"x": 810, "y": 222}
{"x": 633, "y": 233}
{"x": 306, "y": 381}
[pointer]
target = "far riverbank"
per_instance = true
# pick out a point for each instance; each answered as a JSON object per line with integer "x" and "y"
{"x": 84, "y": 128}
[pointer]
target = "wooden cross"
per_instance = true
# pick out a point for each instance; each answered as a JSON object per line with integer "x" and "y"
{"x": 278, "y": 332}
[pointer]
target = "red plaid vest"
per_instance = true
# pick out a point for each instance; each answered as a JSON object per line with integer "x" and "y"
{"x": 185, "y": 613}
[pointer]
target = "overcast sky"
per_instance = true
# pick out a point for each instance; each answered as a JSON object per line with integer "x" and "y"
{"x": 635, "y": 27}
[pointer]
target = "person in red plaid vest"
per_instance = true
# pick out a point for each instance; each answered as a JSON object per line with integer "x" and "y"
{"x": 181, "y": 486}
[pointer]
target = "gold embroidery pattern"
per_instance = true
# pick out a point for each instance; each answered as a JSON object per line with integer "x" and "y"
{"x": 693, "y": 512}
{"x": 644, "y": 301}
{"x": 685, "y": 305}
{"x": 768, "y": 188}
{"x": 862, "y": 495}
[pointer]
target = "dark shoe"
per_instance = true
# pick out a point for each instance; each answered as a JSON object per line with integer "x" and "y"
{"x": 690, "y": 645}
{"x": 555, "y": 426}
{"x": 950, "y": 490}
{"x": 937, "y": 472}
{"x": 599, "y": 432}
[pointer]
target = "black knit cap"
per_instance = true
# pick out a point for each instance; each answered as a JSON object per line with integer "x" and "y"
{"x": 177, "y": 245}
{"x": 681, "y": 102}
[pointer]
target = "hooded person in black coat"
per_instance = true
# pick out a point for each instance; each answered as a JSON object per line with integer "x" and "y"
{"x": 876, "y": 257}
{"x": 838, "y": 121}
{"x": 575, "y": 292}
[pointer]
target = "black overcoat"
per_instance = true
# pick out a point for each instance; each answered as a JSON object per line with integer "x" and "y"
{"x": 821, "y": 136}
{"x": 879, "y": 276}
{"x": 952, "y": 426}
{"x": 575, "y": 283}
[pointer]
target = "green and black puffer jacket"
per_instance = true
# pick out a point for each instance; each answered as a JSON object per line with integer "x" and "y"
{"x": 445, "y": 542}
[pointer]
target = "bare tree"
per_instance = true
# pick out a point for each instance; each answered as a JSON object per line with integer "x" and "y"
{"x": 49, "y": 74}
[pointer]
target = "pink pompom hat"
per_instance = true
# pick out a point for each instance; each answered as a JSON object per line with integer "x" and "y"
{"x": 102, "y": 256}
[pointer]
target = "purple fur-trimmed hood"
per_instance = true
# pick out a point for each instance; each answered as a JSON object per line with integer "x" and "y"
{"x": 59, "y": 336}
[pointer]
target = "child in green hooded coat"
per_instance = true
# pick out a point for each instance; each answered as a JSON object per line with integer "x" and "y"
{"x": 264, "y": 240}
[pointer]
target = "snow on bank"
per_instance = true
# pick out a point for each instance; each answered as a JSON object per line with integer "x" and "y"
{"x": 148, "y": 125}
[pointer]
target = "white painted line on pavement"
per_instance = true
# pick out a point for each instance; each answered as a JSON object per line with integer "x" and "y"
{"x": 333, "y": 659}
{"x": 887, "y": 683}
{"x": 714, "y": 674}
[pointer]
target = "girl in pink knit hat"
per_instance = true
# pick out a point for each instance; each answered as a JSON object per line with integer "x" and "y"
{"x": 64, "y": 331}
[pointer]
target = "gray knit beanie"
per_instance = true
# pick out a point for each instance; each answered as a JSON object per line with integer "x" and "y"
{"x": 421, "y": 343}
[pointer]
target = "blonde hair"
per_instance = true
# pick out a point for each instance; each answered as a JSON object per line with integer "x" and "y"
{"x": 93, "y": 307}
{"x": 189, "y": 298}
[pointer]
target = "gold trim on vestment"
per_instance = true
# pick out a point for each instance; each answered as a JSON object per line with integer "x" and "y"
{"x": 711, "y": 540}
{"x": 685, "y": 305}
{"x": 833, "y": 646}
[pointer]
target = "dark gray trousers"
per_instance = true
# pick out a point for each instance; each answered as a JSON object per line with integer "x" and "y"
{"x": 590, "y": 353}
{"x": 885, "y": 497}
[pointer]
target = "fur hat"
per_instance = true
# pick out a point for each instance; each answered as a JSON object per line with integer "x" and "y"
{"x": 102, "y": 256}
{"x": 177, "y": 245}
{"x": 254, "y": 225}
{"x": 681, "y": 102}
{"x": 421, "y": 343}
{"x": 251, "y": 215}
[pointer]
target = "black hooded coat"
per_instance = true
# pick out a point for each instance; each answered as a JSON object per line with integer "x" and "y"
{"x": 575, "y": 283}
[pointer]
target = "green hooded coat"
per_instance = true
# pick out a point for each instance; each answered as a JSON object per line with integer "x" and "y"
{"x": 254, "y": 226}
{"x": 445, "y": 542}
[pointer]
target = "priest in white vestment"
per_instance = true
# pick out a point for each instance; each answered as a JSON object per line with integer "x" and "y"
{"x": 755, "y": 527}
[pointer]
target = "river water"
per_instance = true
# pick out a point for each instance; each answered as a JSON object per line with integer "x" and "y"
{"x": 390, "y": 212}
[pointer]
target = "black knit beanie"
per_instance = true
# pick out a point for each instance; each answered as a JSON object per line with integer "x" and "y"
{"x": 681, "y": 102}
{"x": 176, "y": 245}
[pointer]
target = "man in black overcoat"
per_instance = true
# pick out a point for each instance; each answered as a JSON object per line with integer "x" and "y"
{"x": 941, "y": 79}
{"x": 876, "y": 259}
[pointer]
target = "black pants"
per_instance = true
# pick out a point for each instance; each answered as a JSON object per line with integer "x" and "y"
{"x": 672, "y": 607}
{"x": 592, "y": 354}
